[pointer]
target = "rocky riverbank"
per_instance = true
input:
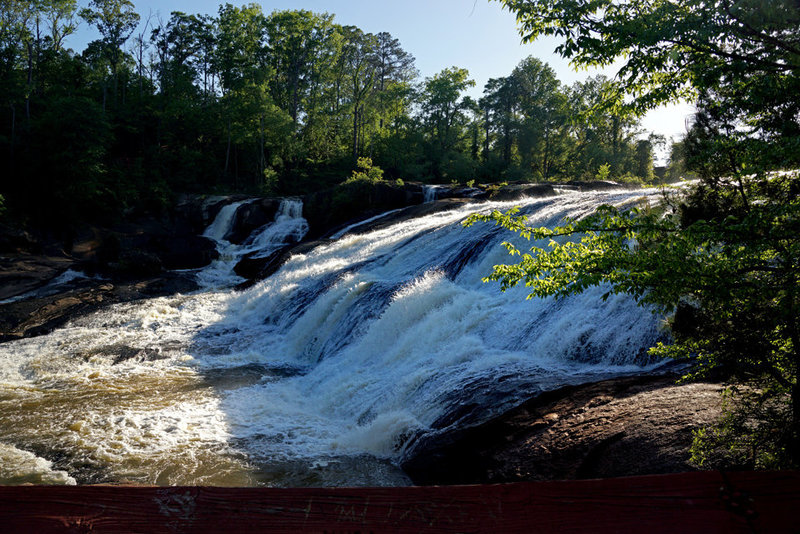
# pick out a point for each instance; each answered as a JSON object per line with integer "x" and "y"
{"x": 627, "y": 426}
{"x": 621, "y": 427}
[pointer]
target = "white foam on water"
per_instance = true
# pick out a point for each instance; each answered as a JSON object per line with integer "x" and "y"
{"x": 23, "y": 467}
{"x": 287, "y": 228}
{"x": 347, "y": 350}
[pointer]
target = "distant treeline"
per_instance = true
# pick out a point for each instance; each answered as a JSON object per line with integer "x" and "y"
{"x": 280, "y": 103}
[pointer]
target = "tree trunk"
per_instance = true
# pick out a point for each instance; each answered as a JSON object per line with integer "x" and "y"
{"x": 794, "y": 336}
{"x": 355, "y": 134}
{"x": 794, "y": 452}
{"x": 116, "y": 83}
{"x": 228, "y": 149}
{"x": 262, "y": 159}
{"x": 236, "y": 167}
{"x": 487, "y": 126}
{"x": 13, "y": 132}
{"x": 30, "y": 82}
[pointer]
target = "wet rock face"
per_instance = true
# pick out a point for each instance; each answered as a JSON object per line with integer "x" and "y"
{"x": 619, "y": 427}
{"x": 21, "y": 273}
{"x": 183, "y": 251}
{"x": 17, "y": 240}
{"x": 37, "y": 316}
{"x": 251, "y": 216}
{"x": 596, "y": 185}
{"x": 258, "y": 268}
{"x": 334, "y": 207}
{"x": 516, "y": 191}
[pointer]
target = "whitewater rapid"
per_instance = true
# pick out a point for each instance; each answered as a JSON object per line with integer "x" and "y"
{"x": 321, "y": 374}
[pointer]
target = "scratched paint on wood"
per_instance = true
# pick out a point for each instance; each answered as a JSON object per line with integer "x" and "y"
{"x": 704, "y": 502}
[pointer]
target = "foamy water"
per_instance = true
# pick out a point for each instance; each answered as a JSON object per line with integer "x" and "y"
{"x": 319, "y": 375}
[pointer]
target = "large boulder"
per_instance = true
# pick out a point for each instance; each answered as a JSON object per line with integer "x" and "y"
{"x": 596, "y": 185}
{"x": 517, "y": 191}
{"x": 22, "y": 273}
{"x": 252, "y": 216}
{"x": 183, "y": 251}
{"x": 144, "y": 249}
{"x": 256, "y": 268}
{"x": 16, "y": 240}
{"x": 135, "y": 263}
{"x": 334, "y": 207}
{"x": 37, "y": 316}
{"x": 476, "y": 193}
{"x": 629, "y": 426}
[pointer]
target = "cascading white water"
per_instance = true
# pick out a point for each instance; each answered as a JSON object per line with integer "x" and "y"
{"x": 320, "y": 374}
{"x": 223, "y": 222}
{"x": 288, "y": 227}
{"x": 429, "y": 192}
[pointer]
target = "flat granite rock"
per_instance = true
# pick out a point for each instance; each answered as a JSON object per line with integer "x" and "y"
{"x": 619, "y": 427}
{"x": 37, "y": 316}
{"x": 21, "y": 273}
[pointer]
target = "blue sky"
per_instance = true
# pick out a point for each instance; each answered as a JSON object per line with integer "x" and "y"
{"x": 474, "y": 34}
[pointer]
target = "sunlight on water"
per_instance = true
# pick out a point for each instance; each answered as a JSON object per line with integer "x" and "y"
{"x": 316, "y": 376}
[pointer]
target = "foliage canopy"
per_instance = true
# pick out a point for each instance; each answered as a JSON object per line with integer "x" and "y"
{"x": 721, "y": 258}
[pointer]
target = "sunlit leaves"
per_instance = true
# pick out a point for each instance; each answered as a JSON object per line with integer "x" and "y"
{"x": 723, "y": 265}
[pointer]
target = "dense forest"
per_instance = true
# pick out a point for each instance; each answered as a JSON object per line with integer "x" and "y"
{"x": 281, "y": 103}
{"x": 291, "y": 102}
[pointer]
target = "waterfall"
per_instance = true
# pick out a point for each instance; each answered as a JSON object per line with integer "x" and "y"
{"x": 429, "y": 192}
{"x": 322, "y": 373}
{"x": 223, "y": 222}
{"x": 287, "y": 228}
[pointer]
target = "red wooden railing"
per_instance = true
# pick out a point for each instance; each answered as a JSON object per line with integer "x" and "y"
{"x": 703, "y": 502}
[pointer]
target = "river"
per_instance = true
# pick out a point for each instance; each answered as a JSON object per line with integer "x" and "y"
{"x": 320, "y": 375}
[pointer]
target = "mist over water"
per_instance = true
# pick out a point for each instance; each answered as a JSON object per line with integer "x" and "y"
{"x": 319, "y": 375}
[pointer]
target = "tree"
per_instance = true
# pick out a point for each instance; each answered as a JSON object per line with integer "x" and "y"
{"x": 602, "y": 134}
{"x": 296, "y": 40}
{"x": 395, "y": 72}
{"x": 360, "y": 70}
{"x": 499, "y": 104}
{"x": 723, "y": 260}
{"x": 542, "y": 104}
{"x": 670, "y": 47}
{"x": 443, "y": 111}
{"x": 115, "y": 20}
{"x": 59, "y": 16}
{"x": 240, "y": 61}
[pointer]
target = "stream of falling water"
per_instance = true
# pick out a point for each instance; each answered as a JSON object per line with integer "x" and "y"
{"x": 319, "y": 375}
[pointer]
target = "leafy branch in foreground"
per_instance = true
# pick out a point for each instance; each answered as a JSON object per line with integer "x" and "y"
{"x": 726, "y": 272}
{"x": 725, "y": 262}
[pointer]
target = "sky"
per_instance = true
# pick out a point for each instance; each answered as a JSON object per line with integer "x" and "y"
{"x": 478, "y": 35}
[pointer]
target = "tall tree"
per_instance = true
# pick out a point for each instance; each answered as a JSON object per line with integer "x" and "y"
{"x": 360, "y": 71}
{"x": 395, "y": 72}
{"x": 542, "y": 106}
{"x": 603, "y": 134}
{"x": 296, "y": 41}
{"x": 443, "y": 109}
{"x": 241, "y": 56}
{"x": 500, "y": 103}
{"x": 115, "y": 20}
